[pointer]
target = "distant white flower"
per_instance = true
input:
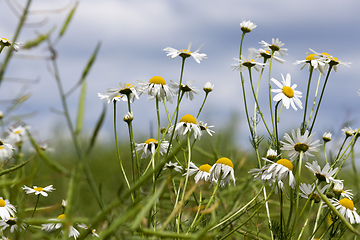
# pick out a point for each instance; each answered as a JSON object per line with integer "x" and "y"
{"x": 327, "y": 137}
{"x": 313, "y": 60}
{"x": 271, "y": 154}
{"x": 84, "y": 226}
{"x": 348, "y": 131}
{"x": 6, "y": 150}
{"x": 157, "y": 88}
{"x": 186, "y": 124}
{"x": 38, "y": 190}
{"x": 185, "y": 53}
{"x": 208, "y": 87}
{"x": 308, "y": 191}
{"x": 325, "y": 175}
{"x": 173, "y": 166}
{"x": 202, "y": 173}
{"x": 331, "y": 60}
{"x": 7, "y": 210}
{"x": 299, "y": 143}
{"x": 266, "y": 54}
{"x": 121, "y": 92}
{"x": 12, "y": 223}
{"x": 275, "y": 46}
{"x": 247, "y": 26}
{"x": 247, "y": 63}
{"x": 205, "y": 127}
{"x": 187, "y": 89}
{"x": 49, "y": 227}
{"x": 287, "y": 93}
{"x": 346, "y": 208}
{"x": 223, "y": 168}
{"x": 338, "y": 189}
{"x": 17, "y": 134}
{"x": 149, "y": 147}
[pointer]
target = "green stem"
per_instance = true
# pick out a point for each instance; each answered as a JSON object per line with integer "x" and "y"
{"x": 314, "y": 103}
{"x": 202, "y": 105}
{"x": 270, "y": 102}
{"x": 306, "y": 99}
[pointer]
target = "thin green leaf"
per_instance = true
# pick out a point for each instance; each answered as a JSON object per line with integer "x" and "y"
{"x": 97, "y": 128}
{"x": 81, "y": 109}
{"x": 68, "y": 19}
{"x": 9, "y": 170}
{"x": 40, "y": 38}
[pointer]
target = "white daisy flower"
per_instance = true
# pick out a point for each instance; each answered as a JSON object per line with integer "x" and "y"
{"x": 38, "y": 190}
{"x": 330, "y": 60}
{"x": 208, "y": 87}
{"x": 7, "y": 210}
{"x": 6, "y": 150}
{"x": 205, "y": 127}
{"x": 173, "y": 166}
{"x": 157, "y": 88}
{"x": 276, "y": 46}
{"x": 202, "y": 173}
{"x": 287, "y": 93}
{"x": 308, "y": 191}
{"x": 247, "y": 26}
{"x": 7, "y": 43}
{"x": 17, "y": 135}
{"x": 185, "y": 125}
{"x": 327, "y": 137}
{"x": 346, "y": 208}
{"x": 299, "y": 143}
{"x": 12, "y": 223}
{"x": 186, "y": 88}
{"x": 262, "y": 53}
{"x": 49, "y": 227}
{"x": 271, "y": 154}
{"x": 84, "y": 226}
{"x": 185, "y": 53}
{"x": 338, "y": 189}
{"x": 149, "y": 147}
{"x": 246, "y": 63}
{"x": 314, "y": 60}
{"x": 277, "y": 171}
{"x": 322, "y": 175}
{"x": 348, "y": 131}
{"x": 121, "y": 92}
{"x": 223, "y": 168}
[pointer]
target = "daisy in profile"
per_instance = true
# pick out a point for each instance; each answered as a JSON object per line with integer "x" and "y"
{"x": 187, "y": 124}
{"x": 330, "y": 60}
{"x": 149, "y": 147}
{"x": 346, "y": 208}
{"x": 275, "y": 172}
{"x": 327, "y": 137}
{"x": 223, "y": 168}
{"x": 271, "y": 154}
{"x": 38, "y": 190}
{"x": 121, "y": 92}
{"x": 185, "y": 53}
{"x": 202, "y": 173}
{"x": 348, "y": 131}
{"x": 308, "y": 191}
{"x": 173, "y": 166}
{"x": 205, "y": 127}
{"x": 84, "y": 226}
{"x": 325, "y": 175}
{"x": 247, "y": 26}
{"x": 12, "y": 224}
{"x": 7, "y": 210}
{"x": 17, "y": 134}
{"x": 287, "y": 93}
{"x": 266, "y": 54}
{"x": 338, "y": 190}
{"x": 300, "y": 143}
{"x": 247, "y": 63}
{"x": 186, "y": 89}
{"x": 49, "y": 227}
{"x": 275, "y": 46}
{"x": 7, "y": 43}
{"x": 157, "y": 88}
{"x": 208, "y": 87}
{"x": 6, "y": 150}
{"x": 313, "y": 60}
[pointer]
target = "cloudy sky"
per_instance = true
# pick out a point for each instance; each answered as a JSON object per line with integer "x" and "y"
{"x": 133, "y": 34}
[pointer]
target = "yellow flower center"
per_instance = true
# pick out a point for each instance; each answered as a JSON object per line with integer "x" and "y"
{"x": 1, "y": 147}
{"x": 205, "y": 168}
{"x": 157, "y": 80}
{"x": 2, "y": 203}
{"x": 150, "y": 140}
{"x": 225, "y": 161}
{"x": 285, "y": 163}
{"x": 61, "y": 217}
{"x": 347, "y": 203}
{"x": 325, "y": 54}
{"x": 38, "y": 189}
{"x": 188, "y": 119}
{"x": 301, "y": 147}
{"x": 17, "y": 132}
{"x": 288, "y": 91}
{"x": 311, "y": 57}
{"x": 4, "y": 39}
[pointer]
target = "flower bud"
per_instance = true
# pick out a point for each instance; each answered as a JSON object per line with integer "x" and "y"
{"x": 208, "y": 87}
{"x": 128, "y": 117}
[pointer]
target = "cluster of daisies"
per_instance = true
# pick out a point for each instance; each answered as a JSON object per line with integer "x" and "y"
{"x": 277, "y": 170}
{"x": 9, "y": 220}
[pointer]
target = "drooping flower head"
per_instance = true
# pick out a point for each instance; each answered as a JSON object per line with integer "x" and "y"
{"x": 122, "y": 92}
{"x": 338, "y": 190}
{"x": 205, "y": 127}
{"x": 150, "y": 146}
{"x": 247, "y": 26}
{"x": 186, "y": 124}
{"x": 186, "y": 89}
{"x": 185, "y": 53}
{"x": 346, "y": 208}
{"x": 223, "y": 168}
{"x": 275, "y": 172}
{"x": 331, "y": 60}
{"x": 324, "y": 175}
{"x": 327, "y": 137}
{"x": 173, "y": 166}
{"x": 84, "y": 226}
{"x": 308, "y": 191}
{"x": 12, "y": 223}
{"x": 247, "y": 63}
{"x": 49, "y": 227}
{"x": 202, "y": 172}
{"x": 17, "y": 135}
{"x": 157, "y": 88}
{"x": 287, "y": 93}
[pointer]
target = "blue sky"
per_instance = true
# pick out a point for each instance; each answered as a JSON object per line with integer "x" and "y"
{"x": 133, "y": 34}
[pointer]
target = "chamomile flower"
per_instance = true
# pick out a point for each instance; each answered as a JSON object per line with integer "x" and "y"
{"x": 300, "y": 143}
{"x": 205, "y": 127}
{"x": 275, "y": 172}
{"x": 271, "y": 154}
{"x": 7, "y": 210}
{"x": 313, "y": 60}
{"x": 223, "y": 168}
{"x": 157, "y": 88}
{"x": 322, "y": 175}
{"x": 6, "y": 150}
{"x": 49, "y": 227}
{"x": 266, "y": 54}
{"x": 331, "y": 60}
{"x": 202, "y": 172}
{"x": 17, "y": 135}
{"x": 275, "y": 46}
{"x": 348, "y": 131}
{"x": 346, "y": 208}
{"x": 38, "y": 190}
{"x": 185, "y": 53}
{"x": 287, "y": 93}
{"x": 338, "y": 190}
{"x": 12, "y": 223}
{"x": 121, "y": 92}
{"x": 7, "y": 43}
{"x": 247, "y": 26}
{"x": 208, "y": 87}
{"x": 173, "y": 166}
{"x": 308, "y": 191}
{"x": 187, "y": 89}
{"x": 247, "y": 63}
{"x": 128, "y": 117}
{"x": 327, "y": 137}
{"x": 186, "y": 124}
{"x": 84, "y": 226}
{"x": 149, "y": 147}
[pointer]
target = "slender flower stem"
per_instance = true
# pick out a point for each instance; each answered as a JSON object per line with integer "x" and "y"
{"x": 202, "y": 105}
{"x": 276, "y": 128}
{"x": 307, "y": 220}
{"x": 314, "y": 103}
{"x": 37, "y": 201}
{"x": 270, "y": 102}
{"x": 133, "y": 145}
{"x": 306, "y": 99}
